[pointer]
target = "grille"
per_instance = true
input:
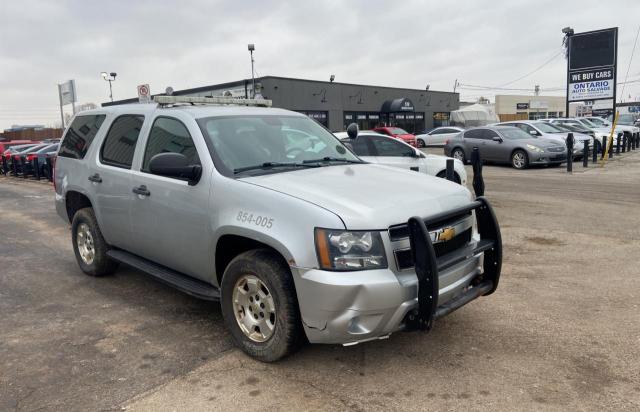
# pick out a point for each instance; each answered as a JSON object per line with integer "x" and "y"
{"x": 555, "y": 149}
{"x": 399, "y": 232}
{"x": 404, "y": 258}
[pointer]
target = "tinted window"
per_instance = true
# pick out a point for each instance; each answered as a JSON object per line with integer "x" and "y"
{"x": 120, "y": 143}
{"x": 489, "y": 134}
{"x": 513, "y": 133}
{"x": 388, "y": 147}
{"x": 80, "y": 135}
{"x": 169, "y": 136}
{"x": 360, "y": 146}
{"x": 473, "y": 134}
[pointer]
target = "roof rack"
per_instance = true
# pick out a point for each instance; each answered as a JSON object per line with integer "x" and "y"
{"x": 218, "y": 100}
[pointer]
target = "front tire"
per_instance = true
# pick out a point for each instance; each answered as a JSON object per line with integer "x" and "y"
{"x": 89, "y": 246}
{"x": 260, "y": 306}
{"x": 519, "y": 159}
{"x": 421, "y": 143}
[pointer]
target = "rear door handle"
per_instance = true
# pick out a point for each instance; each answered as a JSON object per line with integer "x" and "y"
{"x": 95, "y": 178}
{"x": 141, "y": 190}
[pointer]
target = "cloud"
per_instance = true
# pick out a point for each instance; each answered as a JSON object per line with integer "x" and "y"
{"x": 195, "y": 43}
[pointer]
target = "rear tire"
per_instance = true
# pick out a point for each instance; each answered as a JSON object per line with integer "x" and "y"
{"x": 519, "y": 159}
{"x": 89, "y": 246}
{"x": 266, "y": 325}
{"x": 458, "y": 153}
{"x": 421, "y": 143}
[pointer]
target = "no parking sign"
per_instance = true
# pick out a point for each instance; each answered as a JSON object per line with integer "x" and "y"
{"x": 144, "y": 93}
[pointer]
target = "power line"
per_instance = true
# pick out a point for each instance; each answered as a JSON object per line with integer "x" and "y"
{"x": 535, "y": 70}
{"x": 630, "y": 60}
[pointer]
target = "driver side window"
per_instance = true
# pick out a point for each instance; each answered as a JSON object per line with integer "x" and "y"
{"x": 169, "y": 135}
{"x": 389, "y": 147}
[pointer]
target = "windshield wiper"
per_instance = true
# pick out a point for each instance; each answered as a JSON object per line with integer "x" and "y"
{"x": 270, "y": 165}
{"x": 332, "y": 159}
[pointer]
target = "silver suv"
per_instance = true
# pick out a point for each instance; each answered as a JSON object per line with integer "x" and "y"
{"x": 294, "y": 236}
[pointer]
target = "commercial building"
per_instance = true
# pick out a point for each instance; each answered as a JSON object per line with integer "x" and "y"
{"x": 515, "y": 107}
{"x": 30, "y": 132}
{"x": 336, "y": 105}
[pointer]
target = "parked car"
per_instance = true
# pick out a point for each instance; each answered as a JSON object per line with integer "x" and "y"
{"x": 506, "y": 144}
{"x": 397, "y": 133}
{"x": 599, "y": 133}
{"x": 291, "y": 242}
{"x": 438, "y": 136}
{"x": 4, "y": 145}
{"x": 621, "y": 126}
{"x": 381, "y": 149}
{"x": 7, "y": 154}
{"x": 19, "y": 158}
{"x": 41, "y": 155}
{"x": 550, "y": 132}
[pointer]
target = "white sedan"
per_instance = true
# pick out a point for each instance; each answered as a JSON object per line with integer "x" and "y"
{"x": 437, "y": 136}
{"x": 377, "y": 148}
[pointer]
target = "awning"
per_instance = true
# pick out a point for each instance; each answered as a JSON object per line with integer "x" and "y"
{"x": 397, "y": 105}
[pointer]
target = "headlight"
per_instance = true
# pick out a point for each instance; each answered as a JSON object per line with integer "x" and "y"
{"x": 535, "y": 148}
{"x": 349, "y": 250}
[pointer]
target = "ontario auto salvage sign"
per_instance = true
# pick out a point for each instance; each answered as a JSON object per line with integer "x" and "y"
{"x": 592, "y": 65}
{"x": 591, "y": 85}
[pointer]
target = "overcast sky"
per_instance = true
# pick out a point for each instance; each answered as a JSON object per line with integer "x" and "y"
{"x": 187, "y": 44}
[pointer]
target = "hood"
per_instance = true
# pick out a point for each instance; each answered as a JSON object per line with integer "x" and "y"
{"x": 540, "y": 142}
{"x": 367, "y": 196}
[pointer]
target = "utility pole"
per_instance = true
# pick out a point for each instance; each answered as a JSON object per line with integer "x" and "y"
{"x": 251, "y": 48}
{"x": 61, "y": 111}
{"x": 455, "y": 85}
{"x": 536, "y": 90}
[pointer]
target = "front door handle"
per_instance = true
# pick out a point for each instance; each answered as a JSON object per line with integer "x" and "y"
{"x": 95, "y": 178}
{"x": 141, "y": 190}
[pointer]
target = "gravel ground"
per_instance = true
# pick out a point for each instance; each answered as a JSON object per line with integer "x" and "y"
{"x": 561, "y": 333}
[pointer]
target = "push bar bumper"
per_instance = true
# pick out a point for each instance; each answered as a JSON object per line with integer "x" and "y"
{"x": 428, "y": 267}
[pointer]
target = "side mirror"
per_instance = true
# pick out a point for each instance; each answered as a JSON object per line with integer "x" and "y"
{"x": 352, "y": 130}
{"x": 175, "y": 165}
{"x": 497, "y": 139}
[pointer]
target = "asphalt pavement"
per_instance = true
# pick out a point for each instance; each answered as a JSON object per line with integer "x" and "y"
{"x": 562, "y": 331}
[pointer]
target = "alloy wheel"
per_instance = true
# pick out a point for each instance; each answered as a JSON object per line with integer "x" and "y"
{"x": 254, "y": 308}
{"x": 84, "y": 240}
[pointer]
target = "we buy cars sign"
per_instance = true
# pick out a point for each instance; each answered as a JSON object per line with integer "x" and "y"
{"x": 591, "y": 85}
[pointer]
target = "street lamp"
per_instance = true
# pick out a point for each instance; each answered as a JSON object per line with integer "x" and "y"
{"x": 332, "y": 78}
{"x": 251, "y": 48}
{"x": 110, "y": 77}
{"x": 566, "y": 42}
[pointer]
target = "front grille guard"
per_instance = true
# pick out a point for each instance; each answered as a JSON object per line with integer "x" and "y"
{"x": 427, "y": 266}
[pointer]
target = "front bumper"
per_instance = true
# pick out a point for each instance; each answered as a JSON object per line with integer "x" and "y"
{"x": 547, "y": 158}
{"x": 347, "y": 308}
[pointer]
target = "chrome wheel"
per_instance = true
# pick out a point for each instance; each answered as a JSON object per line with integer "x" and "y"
{"x": 519, "y": 160}
{"x": 254, "y": 308}
{"x": 84, "y": 241}
{"x": 458, "y": 154}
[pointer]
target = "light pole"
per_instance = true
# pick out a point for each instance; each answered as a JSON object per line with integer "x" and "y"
{"x": 251, "y": 48}
{"x": 568, "y": 32}
{"x": 110, "y": 77}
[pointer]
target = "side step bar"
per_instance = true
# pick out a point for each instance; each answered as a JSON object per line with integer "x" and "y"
{"x": 184, "y": 283}
{"x": 428, "y": 266}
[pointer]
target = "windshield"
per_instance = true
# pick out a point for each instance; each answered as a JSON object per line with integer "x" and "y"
{"x": 269, "y": 144}
{"x": 586, "y": 123}
{"x": 626, "y": 119}
{"x": 397, "y": 130}
{"x": 546, "y": 127}
{"x": 513, "y": 133}
{"x": 597, "y": 121}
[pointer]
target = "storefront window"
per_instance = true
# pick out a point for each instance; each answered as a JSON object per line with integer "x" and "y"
{"x": 441, "y": 119}
{"x": 537, "y": 115}
{"x": 320, "y": 117}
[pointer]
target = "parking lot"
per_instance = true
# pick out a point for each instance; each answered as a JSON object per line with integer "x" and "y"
{"x": 561, "y": 332}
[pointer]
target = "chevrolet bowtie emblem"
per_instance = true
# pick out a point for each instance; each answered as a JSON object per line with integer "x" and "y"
{"x": 447, "y": 234}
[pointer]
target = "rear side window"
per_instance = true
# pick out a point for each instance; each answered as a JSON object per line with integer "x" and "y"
{"x": 474, "y": 134}
{"x": 80, "y": 135}
{"x": 169, "y": 136}
{"x": 120, "y": 143}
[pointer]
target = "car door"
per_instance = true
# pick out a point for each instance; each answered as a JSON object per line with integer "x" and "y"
{"x": 110, "y": 179}
{"x": 494, "y": 150}
{"x": 472, "y": 138}
{"x": 170, "y": 216}
{"x": 394, "y": 153}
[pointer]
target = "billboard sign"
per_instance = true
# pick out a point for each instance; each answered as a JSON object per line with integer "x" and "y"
{"x": 67, "y": 92}
{"x": 592, "y": 65}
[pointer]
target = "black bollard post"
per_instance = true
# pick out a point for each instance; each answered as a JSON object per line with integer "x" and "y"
{"x": 624, "y": 143}
{"x": 585, "y": 154}
{"x": 5, "y": 167}
{"x": 634, "y": 145}
{"x": 36, "y": 168}
{"x": 23, "y": 164}
{"x": 49, "y": 167}
{"x": 618, "y": 143}
{"x": 570, "y": 141}
{"x": 449, "y": 170}
{"x": 629, "y": 141}
{"x": 596, "y": 147}
{"x": 478, "y": 181}
{"x": 610, "y": 151}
